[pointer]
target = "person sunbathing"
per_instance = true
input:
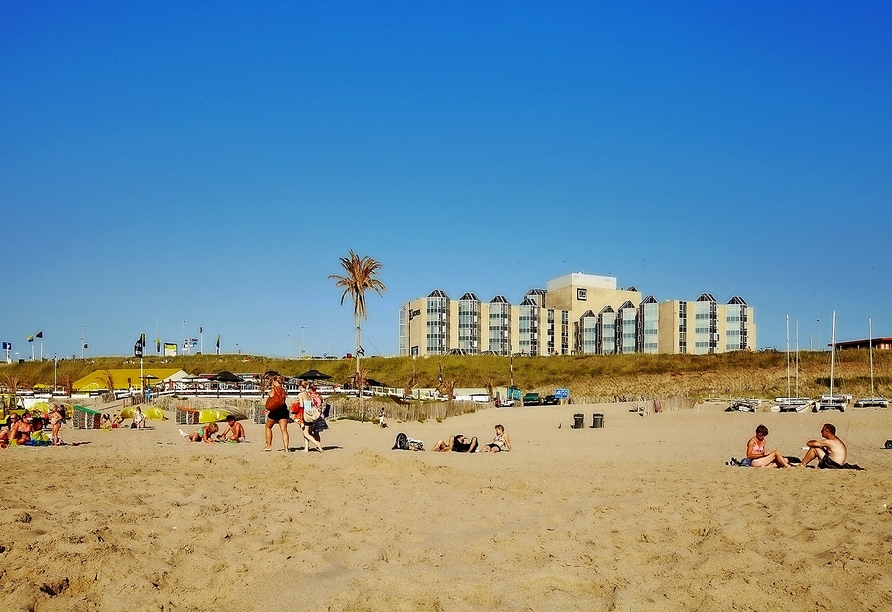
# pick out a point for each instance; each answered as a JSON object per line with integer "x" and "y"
{"x": 204, "y": 434}
{"x": 457, "y": 444}
{"x": 755, "y": 451}
{"x": 20, "y": 430}
{"x": 501, "y": 442}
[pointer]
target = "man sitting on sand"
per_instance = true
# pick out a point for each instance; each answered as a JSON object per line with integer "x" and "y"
{"x": 457, "y": 444}
{"x": 235, "y": 432}
{"x": 830, "y": 450}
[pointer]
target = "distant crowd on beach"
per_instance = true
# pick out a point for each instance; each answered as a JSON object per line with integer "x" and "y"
{"x": 27, "y": 429}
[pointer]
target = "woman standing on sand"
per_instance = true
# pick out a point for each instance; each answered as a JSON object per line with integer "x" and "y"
{"x": 305, "y": 402}
{"x": 55, "y": 419}
{"x": 277, "y": 412}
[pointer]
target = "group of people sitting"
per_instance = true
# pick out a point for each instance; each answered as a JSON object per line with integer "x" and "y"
{"x": 28, "y": 428}
{"x": 235, "y": 432}
{"x": 830, "y": 452}
{"x": 116, "y": 421}
{"x": 462, "y": 444}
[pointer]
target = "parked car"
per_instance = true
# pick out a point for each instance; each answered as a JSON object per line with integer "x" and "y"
{"x": 505, "y": 403}
{"x": 532, "y": 399}
{"x": 550, "y": 400}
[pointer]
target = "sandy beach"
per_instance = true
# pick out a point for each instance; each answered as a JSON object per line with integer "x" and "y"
{"x": 642, "y": 514}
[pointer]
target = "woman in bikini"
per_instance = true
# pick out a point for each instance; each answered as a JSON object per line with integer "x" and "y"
{"x": 204, "y": 434}
{"x": 501, "y": 442}
{"x": 755, "y": 451}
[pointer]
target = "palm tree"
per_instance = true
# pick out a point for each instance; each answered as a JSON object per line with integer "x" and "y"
{"x": 361, "y": 273}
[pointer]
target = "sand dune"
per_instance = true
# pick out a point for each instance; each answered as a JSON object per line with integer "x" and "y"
{"x": 642, "y": 514}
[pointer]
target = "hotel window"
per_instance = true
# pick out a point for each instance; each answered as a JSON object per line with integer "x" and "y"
{"x": 581, "y": 294}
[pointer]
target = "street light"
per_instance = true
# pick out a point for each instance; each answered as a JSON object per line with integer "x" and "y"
{"x": 237, "y": 349}
{"x": 289, "y": 346}
{"x": 818, "y": 335}
{"x": 303, "y": 341}
{"x": 83, "y": 346}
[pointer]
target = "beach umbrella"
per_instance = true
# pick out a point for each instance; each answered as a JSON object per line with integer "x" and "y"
{"x": 313, "y": 375}
{"x": 226, "y": 376}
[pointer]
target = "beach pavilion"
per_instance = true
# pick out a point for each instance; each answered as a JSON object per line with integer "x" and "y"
{"x": 127, "y": 378}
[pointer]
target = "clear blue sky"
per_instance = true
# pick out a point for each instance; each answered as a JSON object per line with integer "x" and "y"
{"x": 210, "y": 163}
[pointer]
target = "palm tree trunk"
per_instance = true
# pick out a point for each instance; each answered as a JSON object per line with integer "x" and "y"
{"x": 359, "y": 383}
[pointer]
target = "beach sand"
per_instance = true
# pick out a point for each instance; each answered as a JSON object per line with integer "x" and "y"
{"x": 639, "y": 515}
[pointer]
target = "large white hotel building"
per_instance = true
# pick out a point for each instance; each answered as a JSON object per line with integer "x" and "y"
{"x": 577, "y": 314}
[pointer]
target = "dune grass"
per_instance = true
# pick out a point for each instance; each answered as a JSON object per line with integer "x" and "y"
{"x": 750, "y": 374}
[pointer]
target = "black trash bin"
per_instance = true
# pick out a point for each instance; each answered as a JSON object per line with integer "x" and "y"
{"x": 577, "y": 421}
{"x": 597, "y": 420}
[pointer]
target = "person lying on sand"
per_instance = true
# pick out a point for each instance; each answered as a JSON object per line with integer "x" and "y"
{"x": 830, "y": 450}
{"x": 205, "y": 434}
{"x": 501, "y": 442}
{"x": 755, "y": 451}
{"x": 234, "y": 433}
{"x": 457, "y": 444}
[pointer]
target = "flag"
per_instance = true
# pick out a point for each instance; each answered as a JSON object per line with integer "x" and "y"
{"x": 157, "y": 345}
{"x": 440, "y": 377}
{"x": 360, "y": 351}
{"x": 30, "y": 338}
{"x": 140, "y": 344}
{"x": 218, "y": 342}
{"x": 200, "y": 329}
{"x": 39, "y": 334}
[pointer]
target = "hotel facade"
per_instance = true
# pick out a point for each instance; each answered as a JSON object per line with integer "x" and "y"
{"x": 576, "y": 314}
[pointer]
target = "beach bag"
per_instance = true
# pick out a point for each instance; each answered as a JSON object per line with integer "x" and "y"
{"x": 277, "y": 399}
{"x": 889, "y": 444}
{"x": 402, "y": 442}
{"x": 311, "y": 412}
{"x": 415, "y": 445}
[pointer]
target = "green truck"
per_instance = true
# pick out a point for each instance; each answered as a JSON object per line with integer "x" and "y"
{"x": 10, "y": 404}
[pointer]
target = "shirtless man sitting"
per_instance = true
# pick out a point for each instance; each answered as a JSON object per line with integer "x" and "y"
{"x": 829, "y": 449}
{"x": 235, "y": 432}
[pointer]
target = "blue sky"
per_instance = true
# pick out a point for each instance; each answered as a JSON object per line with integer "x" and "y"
{"x": 210, "y": 163}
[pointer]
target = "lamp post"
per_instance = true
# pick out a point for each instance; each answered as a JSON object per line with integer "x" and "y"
{"x": 55, "y": 364}
{"x": 289, "y": 346}
{"x": 303, "y": 340}
{"x": 83, "y": 331}
{"x": 237, "y": 349}
{"x": 818, "y": 335}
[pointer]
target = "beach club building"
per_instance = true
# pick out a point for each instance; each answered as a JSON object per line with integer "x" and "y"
{"x": 576, "y": 314}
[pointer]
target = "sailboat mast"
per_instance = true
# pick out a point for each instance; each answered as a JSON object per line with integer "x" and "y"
{"x": 832, "y": 352}
{"x": 788, "y": 356}
{"x": 797, "y": 357}
{"x": 870, "y": 350}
